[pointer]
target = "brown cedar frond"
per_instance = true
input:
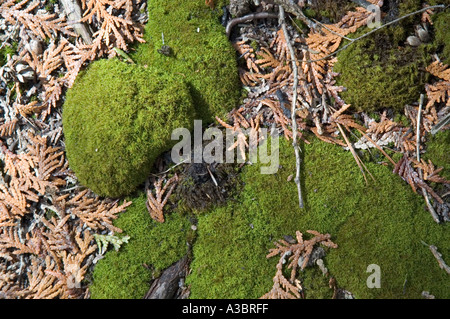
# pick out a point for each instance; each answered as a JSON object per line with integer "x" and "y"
{"x": 440, "y": 70}
{"x": 440, "y": 91}
{"x": 155, "y": 203}
{"x": 93, "y": 212}
{"x": 321, "y": 44}
{"x": 25, "y": 110}
{"x": 48, "y": 159}
{"x": 114, "y": 31}
{"x": 223, "y": 123}
{"x": 42, "y": 286}
{"x": 249, "y": 78}
{"x": 210, "y": 3}
{"x": 437, "y": 93}
{"x": 282, "y": 50}
{"x": 405, "y": 170}
{"x": 267, "y": 59}
{"x": 10, "y": 240}
{"x": 44, "y": 65}
{"x": 43, "y": 25}
{"x": 247, "y": 53}
{"x": 430, "y": 173}
{"x": 7, "y": 128}
{"x": 280, "y": 73}
{"x": 426, "y": 15}
{"x": 340, "y": 111}
{"x": 284, "y": 288}
{"x": 382, "y": 127}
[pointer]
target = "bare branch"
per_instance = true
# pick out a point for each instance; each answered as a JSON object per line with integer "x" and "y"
{"x": 293, "y": 107}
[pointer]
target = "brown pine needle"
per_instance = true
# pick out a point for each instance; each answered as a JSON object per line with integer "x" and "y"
{"x": 355, "y": 156}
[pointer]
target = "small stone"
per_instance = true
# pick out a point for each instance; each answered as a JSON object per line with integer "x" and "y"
{"x": 34, "y": 46}
{"x": 193, "y": 227}
{"x": 290, "y": 239}
{"x": 165, "y": 50}
{"x": 413, "y": 41}
{"x": 290, "y": 178}
{"x": 422, "y": 33}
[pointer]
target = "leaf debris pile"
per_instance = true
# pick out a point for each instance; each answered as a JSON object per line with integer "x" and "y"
{"x": 265, "y": 71}
{"x": 47, "y": 221}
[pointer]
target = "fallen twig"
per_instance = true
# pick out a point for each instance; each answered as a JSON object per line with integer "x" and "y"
{"x": 293, "y": 107}
{"x": 443, "y": 122}
{"x": 425, "y": 193}
{"x": 355, "y": 156}
{"x": 438, "y": 257}
{"x": 74, "y": 15}
{"x": 249, "y": 17}
{"x": 294, "y": 8}
{"x": 374, "y": 30}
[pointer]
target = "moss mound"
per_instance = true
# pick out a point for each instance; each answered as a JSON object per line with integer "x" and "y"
{"x": 117, "y": 119}
{"x": 122, "y": 274}
{"x": 382, "y": 223}
{"x": 380, "y": 71}
{"x": 200, "y": 53}
{"x": 442, "y": 34}
{"x": 437, "y": 151}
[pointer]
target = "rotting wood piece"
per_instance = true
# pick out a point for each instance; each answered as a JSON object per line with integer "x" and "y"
{"x": 167, "y": 285}
{"x": 74, "y": 15}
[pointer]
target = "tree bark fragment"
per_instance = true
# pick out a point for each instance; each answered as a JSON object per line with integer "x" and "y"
{"x": 166, "y": 286}
{"x": 73, "y": 12}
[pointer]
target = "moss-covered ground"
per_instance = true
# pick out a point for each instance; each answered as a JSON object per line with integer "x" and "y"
{"x": 200, "y": 53}
{"x": 117, "y": 119}
{"x": 382, "y": 223}
{"x": 380, "y": 72}
{"x": 437, "y": 150}
{"x": 152, "y": 247}
{"x": 383, "y": 70}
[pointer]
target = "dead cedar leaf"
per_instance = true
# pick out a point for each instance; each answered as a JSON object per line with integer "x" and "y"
{"x": 155, "y": 203}
{"x": 284, "y": 288}
{"x": 210, "y": 3}
{"x": 440, "y": 70}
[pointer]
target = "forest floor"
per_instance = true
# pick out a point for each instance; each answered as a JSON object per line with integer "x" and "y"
{"x": 53, "y": 230}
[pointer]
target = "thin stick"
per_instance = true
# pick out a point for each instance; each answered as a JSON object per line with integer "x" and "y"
{"x": 246, "y": 18}
{"x": 334, "y": 32}
{"x": 170, "y": 168}
{"x": 291, "y": 7}
{"x": 425, "y": 193}
{"x": 377, "y": 146}
{"x": 294, "y": 102}
{"x": 419, "y": 113}
{"x": 374, "y": 30}
{"x": 357, "y": 159}
{"x": 438, "y": 257}
{"x": 212, "y": 176}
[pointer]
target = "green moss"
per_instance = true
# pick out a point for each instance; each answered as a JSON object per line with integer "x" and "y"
{"x": 123, "y": 274}
{"x": 201, "y": 53}
{"x": 379, "y": 71}
{"x": 437, "y": 150}
{"x": 382, "y": 223}
{"x": 117, "y": 119}
{"x": 442, "y": 34}
{"x": 328, "y": 11}
{"x": 5, "y": 51}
